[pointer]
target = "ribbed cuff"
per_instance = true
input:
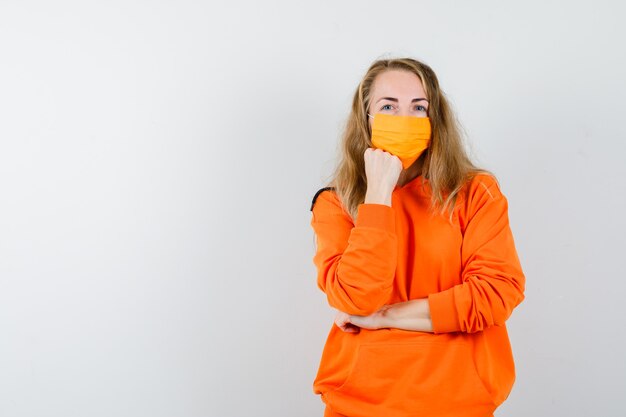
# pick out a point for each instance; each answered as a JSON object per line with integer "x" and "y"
{"x": 379, "y": 216}
{"x": 443, "y": 312}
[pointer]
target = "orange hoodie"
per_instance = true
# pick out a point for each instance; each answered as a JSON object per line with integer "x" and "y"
{"x": 469, "y": 271}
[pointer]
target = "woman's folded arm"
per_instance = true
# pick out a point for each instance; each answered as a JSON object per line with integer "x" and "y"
{"x": 492, "y": 278}
{"x": 356, "y": 262}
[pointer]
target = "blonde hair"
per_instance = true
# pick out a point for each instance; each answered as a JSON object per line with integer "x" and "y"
{"x": 445, "y": 163}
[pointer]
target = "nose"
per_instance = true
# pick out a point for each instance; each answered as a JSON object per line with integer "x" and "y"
{"x": 404, "y": 111}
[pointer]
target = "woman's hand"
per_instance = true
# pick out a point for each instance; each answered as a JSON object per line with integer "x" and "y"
{"x": 342, "y": 320}
{"x": 382, "y": 170}
{"x": 352, "y": 324}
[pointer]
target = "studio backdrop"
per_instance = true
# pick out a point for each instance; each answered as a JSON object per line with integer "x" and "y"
{"x": 158, "y": 161}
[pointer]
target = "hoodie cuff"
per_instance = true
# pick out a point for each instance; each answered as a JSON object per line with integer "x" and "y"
{"x": 379, "y": 216}
{"x": 443, "y": 312}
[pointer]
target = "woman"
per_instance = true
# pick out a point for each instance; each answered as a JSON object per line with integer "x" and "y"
{"x": 414, "y": 250}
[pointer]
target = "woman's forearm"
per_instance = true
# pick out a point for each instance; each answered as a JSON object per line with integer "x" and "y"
{"x": 409, "y": 315}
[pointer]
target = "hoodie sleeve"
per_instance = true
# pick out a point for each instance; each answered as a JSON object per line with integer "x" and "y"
{"x": 492, "y": 279}
{"x": 356, "y": 262}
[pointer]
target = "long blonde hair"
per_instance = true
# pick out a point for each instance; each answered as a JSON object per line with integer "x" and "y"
{"x": 445, "y": 163}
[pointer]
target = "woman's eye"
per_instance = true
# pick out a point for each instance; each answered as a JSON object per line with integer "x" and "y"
{"x": 420, "y": 108}
{"x": 386, "y": 107}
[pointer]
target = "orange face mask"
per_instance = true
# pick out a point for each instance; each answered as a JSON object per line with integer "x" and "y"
{"x": 403, "y": 136}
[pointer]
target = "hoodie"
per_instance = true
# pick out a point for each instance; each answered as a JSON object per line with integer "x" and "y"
{"x": 467, "y": 268}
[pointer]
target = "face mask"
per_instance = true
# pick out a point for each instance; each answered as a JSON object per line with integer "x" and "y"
{"x": 403, "y": 136}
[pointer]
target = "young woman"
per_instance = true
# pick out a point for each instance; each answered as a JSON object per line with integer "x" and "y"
{"x": 414, "y": 250}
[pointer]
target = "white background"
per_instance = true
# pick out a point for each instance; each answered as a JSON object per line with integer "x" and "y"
{"x": 157, "y": 164}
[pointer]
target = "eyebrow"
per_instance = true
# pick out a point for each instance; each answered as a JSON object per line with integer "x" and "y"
{"x": 396, "y": 100}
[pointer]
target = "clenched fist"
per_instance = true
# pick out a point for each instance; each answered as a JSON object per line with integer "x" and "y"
{"x": 382, "y": 170}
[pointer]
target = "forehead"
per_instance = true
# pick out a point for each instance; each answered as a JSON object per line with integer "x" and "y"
{"x": 399, "y": 84}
